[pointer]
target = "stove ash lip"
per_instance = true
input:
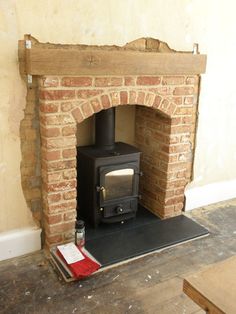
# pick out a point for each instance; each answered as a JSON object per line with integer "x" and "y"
{"x": 105, "y": 129}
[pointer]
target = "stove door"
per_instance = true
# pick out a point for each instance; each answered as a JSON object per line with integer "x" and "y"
{"x": 118, "y": 182}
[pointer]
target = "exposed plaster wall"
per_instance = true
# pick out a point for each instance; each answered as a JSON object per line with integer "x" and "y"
{"x": 180, "y": 23}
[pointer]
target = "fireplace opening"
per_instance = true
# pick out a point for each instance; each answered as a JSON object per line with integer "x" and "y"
{"x": 108, "y": 175}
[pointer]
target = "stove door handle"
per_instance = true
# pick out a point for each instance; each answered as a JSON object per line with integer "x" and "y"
{"x": 102, "y": 190}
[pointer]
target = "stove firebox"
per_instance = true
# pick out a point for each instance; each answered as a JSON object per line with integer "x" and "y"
{"x": 108, "y": 175}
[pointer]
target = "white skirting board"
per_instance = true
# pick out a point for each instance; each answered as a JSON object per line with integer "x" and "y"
{"x": 19, "y": 242}
{"x": 210, "y": 194}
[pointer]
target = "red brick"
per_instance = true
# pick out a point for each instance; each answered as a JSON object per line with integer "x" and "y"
{"x": 68, "y": 130}
{"x": 105, "y": 102}
{"x": 164, "y": 104}
{"x": 188, "y": 119}
{"x": 174, "y": 200}
{"x": 69, "y": 174}
{"x": 140, "y": 99}
{"x": 58, "y": 119}
{"x": 179, "y": 207}
{"x": 77, "y": 114}
{"x": 185, "y": 156}
{"x": 69, "y": 236}
{"x": 178, "y": 166}
{"x": 115, "y": 98}
{"x": 177, "y": 100}
{"x": 50, "y": 132}
{"x": 96, "y": 105}
{"x": 171, "y": 109}
{"x": 174, "y": 139}
{"x": 173, "y": 158}
{"x": 87, "y": 93}
{"x": 148, "y": 80}
{"x": 129, "y": 81}
{"x": 160, "y": 137}
{"x": 58, "y": 165}
{"x": 62, "y": 207}
{"x": 61, "y": 186}
{"x": 168, "y": 211}
{"x": 180, "y": 129}
{"x": 70, "y": 216}
{"x": 176, "y": 121}
{"x": 176, "y": 183}
{"x": 173, "y": 80}
{"x": 185, "y": 90}
{"x": 149, "y": 100}
{"x": 66, "y": 106}
{"x": 56, "y": 94}
{"x": 181, "y": 174}
{"x": 132, "y": 97}
{"x": 188, "y": 100}
{"x": 58, "y": 142}
{"x": 86, "y": 109}
{"x": 123, "y": 98}
{"x": 108, "y": 81}
{"x": 192, "y": 80}
{"x": 49, "y": 81}
{"x": 51, "y": 155}
{"x": 175, "y": 148}
{"x": 76, "y": 81}
{"x": 52, "y": 177}
{"x": 69, "y": 195}
{"x": 185, "y": 138}
{"x": 185, "y": 111}
{"x": 179, "y": 191}
{"x": 48, "y": 108}
{"x": 168, "y": 193}
{"x": 54, "y": 198}
{"x": 59, "y": 228}
{"x": 157, "y": 102}
{"x": 54, "y": 239}
{"x": 69, "y": 153}
{"x": 53, "y": 219}
{"x": 165, "y": 90}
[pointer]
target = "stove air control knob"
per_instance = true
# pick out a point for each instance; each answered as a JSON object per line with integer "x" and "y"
{"x": 119, "y": 209}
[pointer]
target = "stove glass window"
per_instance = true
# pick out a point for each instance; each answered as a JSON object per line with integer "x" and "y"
{"x": 119, "y": 183}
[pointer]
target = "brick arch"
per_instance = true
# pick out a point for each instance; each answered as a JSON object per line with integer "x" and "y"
{"x": 123, "y": 97}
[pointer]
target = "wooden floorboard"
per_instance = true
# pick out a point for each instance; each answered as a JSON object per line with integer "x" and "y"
{"x": 151, "y": 284}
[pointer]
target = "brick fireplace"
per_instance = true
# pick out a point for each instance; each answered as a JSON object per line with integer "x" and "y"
{"x": 165, "y": 100}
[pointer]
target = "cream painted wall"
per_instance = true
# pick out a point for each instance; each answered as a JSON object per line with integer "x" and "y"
{"x": 125, "y": 124}
{"x": 180, "y": 23}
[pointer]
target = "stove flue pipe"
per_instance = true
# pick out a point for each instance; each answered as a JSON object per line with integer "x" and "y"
{"x": 105, "y": 129}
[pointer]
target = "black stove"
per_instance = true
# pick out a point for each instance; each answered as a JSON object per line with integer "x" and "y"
{"x": 108, "y": 176}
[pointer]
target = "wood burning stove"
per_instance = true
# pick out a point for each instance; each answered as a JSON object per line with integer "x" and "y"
{"x": 108, "y": 175}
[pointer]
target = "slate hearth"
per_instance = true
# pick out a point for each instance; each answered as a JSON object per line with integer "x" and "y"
{"x": 113, "y": 243}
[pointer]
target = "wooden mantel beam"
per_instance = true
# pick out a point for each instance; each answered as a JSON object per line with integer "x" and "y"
{"x": 47, "y": 59}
